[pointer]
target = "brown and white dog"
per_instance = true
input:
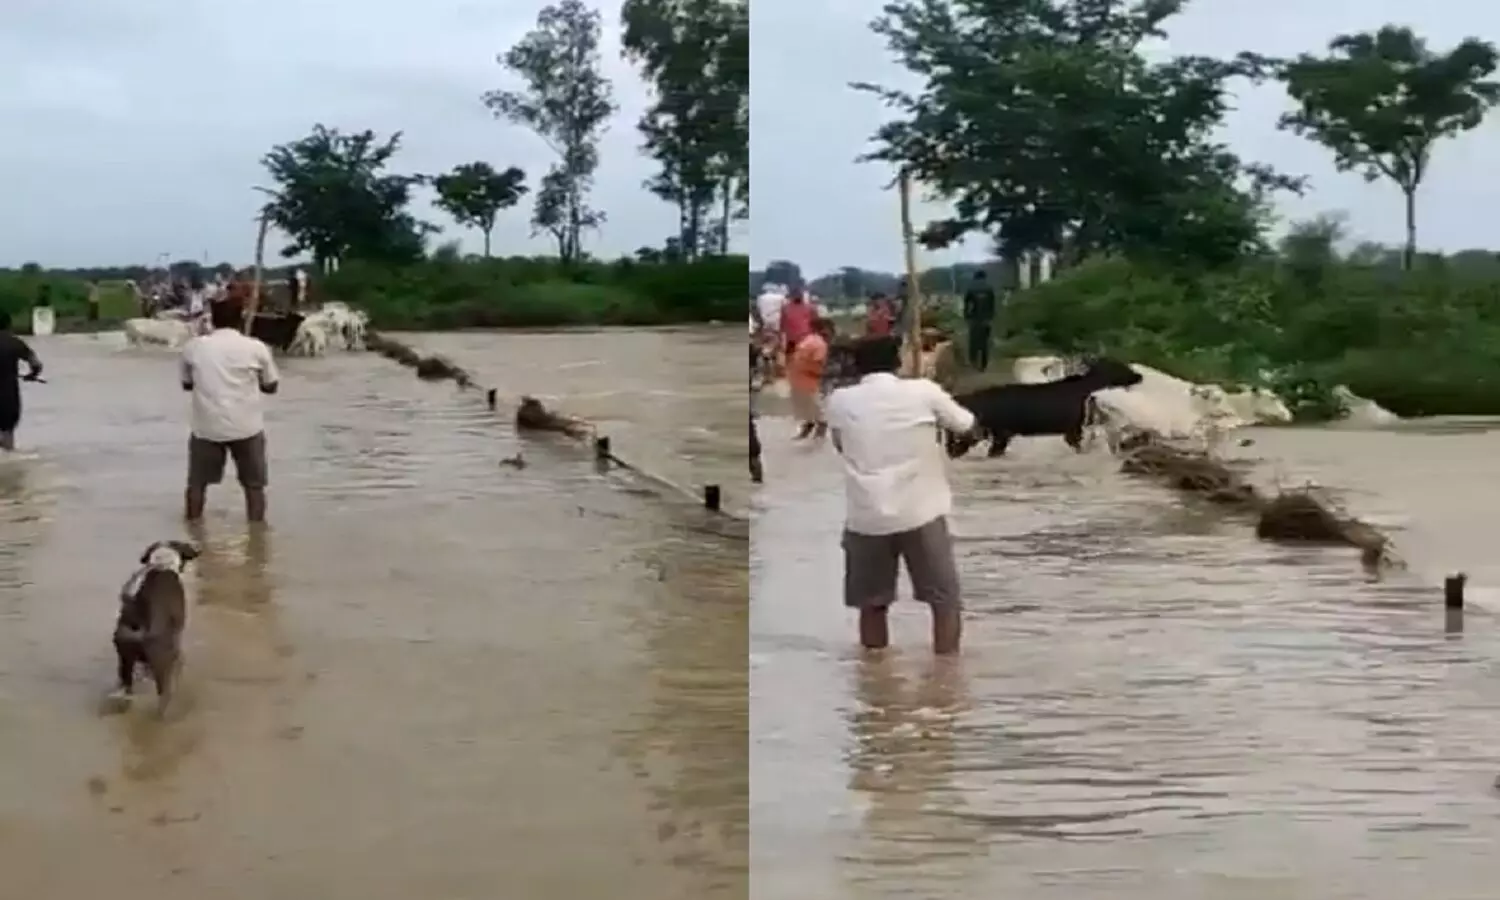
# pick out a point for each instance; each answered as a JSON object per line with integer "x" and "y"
{"x": 153, "y": 614}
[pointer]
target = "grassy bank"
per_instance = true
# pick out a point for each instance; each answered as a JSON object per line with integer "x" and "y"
{"x": 450, "y": 294}
{"x": 1425, "y": 342}
{"x": 521, "y": 292}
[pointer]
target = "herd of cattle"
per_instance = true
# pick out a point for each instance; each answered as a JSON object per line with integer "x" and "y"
{"x": 1076, "y": 398}
{"x": 310, "y": 334}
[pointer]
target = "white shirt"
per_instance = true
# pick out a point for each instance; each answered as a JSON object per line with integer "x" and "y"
{"x": 226, "y": 370}
{"x": 769, "y": 306}
{"x": 894, "y": 467}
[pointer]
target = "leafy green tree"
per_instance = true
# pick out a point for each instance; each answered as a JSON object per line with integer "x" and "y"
{"x": 550, "y": 215}
{"x": 335, "y": 200}
{"x": 1381, "y": 100}
{"x": 1048, "y": 129}
{"x": 695, "y": 54}
{"x": 475, "y": 193}
{"x": 567, "y": 102}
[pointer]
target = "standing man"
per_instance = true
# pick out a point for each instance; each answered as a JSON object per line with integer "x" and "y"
{"x": 227, "y": 372}
{"x": 13, "y": 352}
{"x": 797, "y": 317}
{"x": 979, "y": 316}
{"x": 896, "y": 493}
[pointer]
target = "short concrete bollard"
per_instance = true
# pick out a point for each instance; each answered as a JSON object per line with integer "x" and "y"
{"x": 1453, "y": 591}
{"x": 713, "y": 500}
{"x": 602, "y": 453}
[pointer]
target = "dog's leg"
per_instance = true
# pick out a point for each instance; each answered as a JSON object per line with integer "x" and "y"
{"x": 125, "y": 668}
{"x": 1074, "y": 439}
{"x": 162, "y": 660}
{"x": 998, "y": 442}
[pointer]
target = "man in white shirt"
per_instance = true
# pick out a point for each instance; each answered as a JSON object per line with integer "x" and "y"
{"x": 896, "y": 492}
{"x": 227, "y": 372}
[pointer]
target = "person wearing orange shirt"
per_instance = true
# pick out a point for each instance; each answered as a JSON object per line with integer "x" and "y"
{"x": 804, "y": 374}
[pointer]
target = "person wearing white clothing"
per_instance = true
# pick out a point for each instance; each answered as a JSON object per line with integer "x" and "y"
{"x": 227, "y": 373}
{"x": 896, "y": 493}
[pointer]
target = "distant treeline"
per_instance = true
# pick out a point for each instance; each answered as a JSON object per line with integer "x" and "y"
{"x": 854, "y": 284}
{"x": 183, "y": 269}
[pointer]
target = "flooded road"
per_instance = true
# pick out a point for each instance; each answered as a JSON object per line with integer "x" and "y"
{"x": 432, "y": 677}
{"x": 1151, "y": 705}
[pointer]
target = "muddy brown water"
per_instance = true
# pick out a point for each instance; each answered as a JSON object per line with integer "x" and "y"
{"x": 432, "y": 677}
{"x": 1150, "y": 704}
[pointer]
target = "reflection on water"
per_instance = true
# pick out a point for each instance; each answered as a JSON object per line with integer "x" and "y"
{"x": 430, "y": 676}
{"x": 1150, "y": 703}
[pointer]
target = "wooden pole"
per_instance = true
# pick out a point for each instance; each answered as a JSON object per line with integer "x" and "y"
{"x": 913, "y": 283}
{"x": 260, "y": 255}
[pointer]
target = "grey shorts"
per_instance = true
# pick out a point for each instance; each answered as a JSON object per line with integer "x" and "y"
{"x": 872, "y": 565}
{"x": 206, "y": 461}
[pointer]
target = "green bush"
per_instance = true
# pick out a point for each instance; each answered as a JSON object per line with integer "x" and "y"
{"x": 523, "y": 292}
{"x": 1425, "y": 342}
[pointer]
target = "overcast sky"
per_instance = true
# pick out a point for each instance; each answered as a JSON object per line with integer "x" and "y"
{"x": 137, "y": 129}
{"x": 813, "y": 204}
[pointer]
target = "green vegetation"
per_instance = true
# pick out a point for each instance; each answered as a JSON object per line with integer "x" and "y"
{"x": 19, "y": 289}
{"x": 1077, "y": 145}
{"x": 448, "y": 294}
{"x": 1419, "y": 342}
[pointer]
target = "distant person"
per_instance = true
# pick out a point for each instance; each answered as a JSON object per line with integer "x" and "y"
{"x": 757, "y": 368}
{"x": 299, "y": 289}
{"x": 880, "y": 316}
{"x": 13, "y": 352}
{"x": 93, "y": 311}
{"x": 896, "y": 492}
{"x": 804, "y": 375}
{"x": 227, "y": 373}
{"x": 979, "y": 319}
{"x": 797, "y": 317}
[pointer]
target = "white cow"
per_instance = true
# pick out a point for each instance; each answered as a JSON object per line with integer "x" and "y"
{"x": 333, "y": 320}
{"x": 1166, "y": 405}
{"x": 1359, "y": 411}
{"x": 158, "y": 332}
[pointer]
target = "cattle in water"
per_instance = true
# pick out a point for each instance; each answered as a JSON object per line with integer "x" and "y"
{"x": 1051, "y": 407}
{"x": 277, "y": 331}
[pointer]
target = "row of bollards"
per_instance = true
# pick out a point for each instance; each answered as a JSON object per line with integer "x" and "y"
{"x": 713, "y": 495}
{"x": 1453, "y": 602}
{"x": 532, "y": 414}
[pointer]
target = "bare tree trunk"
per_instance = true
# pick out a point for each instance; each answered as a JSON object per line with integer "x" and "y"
{"x": 1409, "y": 252}
{"x": 487, "y": 242}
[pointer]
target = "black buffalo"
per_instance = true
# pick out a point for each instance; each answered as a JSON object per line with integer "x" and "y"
{"x": 1052, "y": 407}
{"x": 276, "y": 330}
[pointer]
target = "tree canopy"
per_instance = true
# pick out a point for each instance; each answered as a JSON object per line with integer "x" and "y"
{"x": 567, "y": 102}
{"x": 1049, "y": 130}
{"x": 334, "y": 198}
{"x": 474, "y": 193}
{"x": 1381, "y": 100}
{"x": 695, "y": 55}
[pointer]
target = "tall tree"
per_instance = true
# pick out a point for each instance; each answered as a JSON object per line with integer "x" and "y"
{"x": 695, "y": 54}
{"x": 1381, "y": 100}
{"x": 474, "y": 194}
{"x": 334, "y": 198}
{"x": 567, "y": 102}
{"x": 1050, "y": 130}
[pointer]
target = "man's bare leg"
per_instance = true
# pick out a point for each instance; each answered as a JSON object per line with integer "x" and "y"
{"x": 947, "y": 629}
{"x": 255, "y": 504}
{"x": 875, "y": 627}
{"x": 193, "y": 501}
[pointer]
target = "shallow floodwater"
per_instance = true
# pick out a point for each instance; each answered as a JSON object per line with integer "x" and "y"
{"x": 433, "y": 677}
{"x": 1151, "y": 705}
